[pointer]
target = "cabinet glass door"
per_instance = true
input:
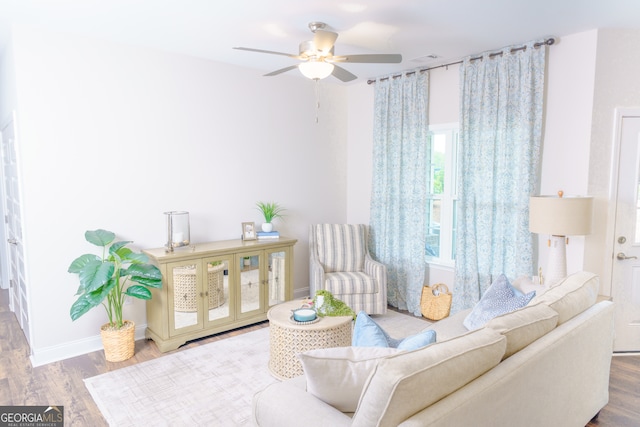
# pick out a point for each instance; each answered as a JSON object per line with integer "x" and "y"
{"x": 250, "y": 280}
{"x": 185, "y": 290}
{"x": 218, "y": 300}
{"x": 277, "y": 278}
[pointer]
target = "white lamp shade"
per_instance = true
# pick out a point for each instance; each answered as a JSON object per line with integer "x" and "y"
{"x": 560, "y": 216}
{"x": 316, "y": 69}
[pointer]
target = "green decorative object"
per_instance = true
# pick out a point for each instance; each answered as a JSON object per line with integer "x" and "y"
{"x": 270, "y": 210}
{"x": 103, "y": 279}
{"x": 331, "y": 306}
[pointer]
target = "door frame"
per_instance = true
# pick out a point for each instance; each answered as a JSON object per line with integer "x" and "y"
{"x": 5, "y": 258}
{"x": 15, "y": 307}
{"x": 619, "y": 115}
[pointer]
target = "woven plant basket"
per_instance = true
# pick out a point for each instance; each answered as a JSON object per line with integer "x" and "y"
{"x": 119, "y": 344}
{"x": 435, "y": 307}
{"x": 215, "y": 280}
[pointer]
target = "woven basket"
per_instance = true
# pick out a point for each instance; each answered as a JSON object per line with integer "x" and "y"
{"x": 215, "y": 280}
{"x": 185, "y": 287}
{"x": 119, "y": 344}
{"x": 435, "y": 307}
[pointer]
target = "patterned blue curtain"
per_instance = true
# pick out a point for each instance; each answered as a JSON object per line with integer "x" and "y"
{"x": 399, "y": 190}
{"x": 501, "y": 103}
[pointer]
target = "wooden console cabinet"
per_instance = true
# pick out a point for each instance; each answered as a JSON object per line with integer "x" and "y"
{"x": 217, "y": 286}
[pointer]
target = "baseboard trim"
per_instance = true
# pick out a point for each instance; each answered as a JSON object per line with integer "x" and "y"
{"x": 56, "y": 353}
{"x": 626, "y": 353}
{"x": 301, "y": 293}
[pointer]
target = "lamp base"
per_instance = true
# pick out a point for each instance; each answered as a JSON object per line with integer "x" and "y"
{"x": 557, "y": 263}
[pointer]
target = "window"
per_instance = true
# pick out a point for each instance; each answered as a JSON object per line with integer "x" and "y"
{"x": 442, "y": 197}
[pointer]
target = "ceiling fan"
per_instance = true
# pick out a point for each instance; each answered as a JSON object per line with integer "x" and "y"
{"x": 318, "y": 60}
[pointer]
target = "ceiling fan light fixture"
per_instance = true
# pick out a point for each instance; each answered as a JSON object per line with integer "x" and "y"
{"x": 316, "y": 70}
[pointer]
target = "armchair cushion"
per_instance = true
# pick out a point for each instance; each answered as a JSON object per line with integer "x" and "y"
{"x": 341, "y": 247}
{"x": 350, "y": 282}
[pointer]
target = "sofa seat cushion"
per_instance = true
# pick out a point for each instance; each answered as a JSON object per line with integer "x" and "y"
{"x": 499, "y": 298}
{"x": 341, "y": 247}
{"x": 337, "y": 375}
{"x": 451, "y": 327}
{"x": 350, "y": 282}
{"x": 367, "y": 333}
{"x": 572, "y": 295}
{"x": 403, "y": 384}
{"x": 524, "y": 326}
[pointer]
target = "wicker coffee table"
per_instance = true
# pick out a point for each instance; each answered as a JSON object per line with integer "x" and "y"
{"x": 287, "y": 338}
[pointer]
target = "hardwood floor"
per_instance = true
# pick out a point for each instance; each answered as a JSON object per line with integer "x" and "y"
{"x": 623, "y": 409}
{"x": 61, "y": 383}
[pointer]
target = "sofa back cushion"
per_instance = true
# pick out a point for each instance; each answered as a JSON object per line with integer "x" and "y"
{"x": 403, "y": 384}
{"x": 341, "y": 247}
{"x": 524, "y": 326}
{"x": 337, "y": 375}
{"x": 572, "y": 295}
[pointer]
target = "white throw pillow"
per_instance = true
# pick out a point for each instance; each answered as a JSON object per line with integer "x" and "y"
{"x": 337, "y": 375}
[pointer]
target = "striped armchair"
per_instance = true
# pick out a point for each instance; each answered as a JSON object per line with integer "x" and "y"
{"x": 339, "y": 262}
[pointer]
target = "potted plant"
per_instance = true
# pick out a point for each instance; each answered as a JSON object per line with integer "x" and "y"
{"x": 270, "y": 211}
{"x": 103, "y": 280}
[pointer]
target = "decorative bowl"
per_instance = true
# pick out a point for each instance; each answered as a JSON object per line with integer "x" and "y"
{"x": 304, "y": 314}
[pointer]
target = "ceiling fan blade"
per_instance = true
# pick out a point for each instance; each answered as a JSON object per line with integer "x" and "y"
{"x": 389, "y": 58}
{"x": 290, "y": 55}
{"x": 281, "y": 70}
{"x": 324, "y": 40}
{"x": 342, "y": 74}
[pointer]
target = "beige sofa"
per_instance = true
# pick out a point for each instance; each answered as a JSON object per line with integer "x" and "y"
{"x": 546, "y": 364}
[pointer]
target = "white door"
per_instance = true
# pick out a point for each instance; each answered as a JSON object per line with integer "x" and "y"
{"x": 625, "y": 279}
{"x": 13, "y": 228}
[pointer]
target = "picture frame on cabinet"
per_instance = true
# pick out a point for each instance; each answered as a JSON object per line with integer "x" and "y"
{"x": 249, "y": 231}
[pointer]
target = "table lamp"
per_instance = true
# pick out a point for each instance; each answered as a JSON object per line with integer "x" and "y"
{"x": 559, "y": 217}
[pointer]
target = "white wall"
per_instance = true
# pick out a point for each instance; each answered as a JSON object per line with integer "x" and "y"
{"x": 567, "y": 133}
{"x": 112, "y": 136}
{"x": 360, "y": 152}
{"x": 617, "y": 85}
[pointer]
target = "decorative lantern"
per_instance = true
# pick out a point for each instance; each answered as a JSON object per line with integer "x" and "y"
{"x": 177, "y": 229}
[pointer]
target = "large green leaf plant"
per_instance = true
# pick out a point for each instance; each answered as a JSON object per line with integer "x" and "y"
{"x": 103, "y": 278}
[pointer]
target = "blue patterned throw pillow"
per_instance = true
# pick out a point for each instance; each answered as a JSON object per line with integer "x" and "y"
{"x": 500, "y": 298}
{"x": 367, "y": 333}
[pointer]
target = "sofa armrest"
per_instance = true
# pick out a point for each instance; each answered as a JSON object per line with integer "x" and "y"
{"x": 287, "y": 403}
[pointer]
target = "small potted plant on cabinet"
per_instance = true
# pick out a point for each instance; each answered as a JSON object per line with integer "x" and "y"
{"x": 103, "y": 280}
{"x": 270, "y": 211}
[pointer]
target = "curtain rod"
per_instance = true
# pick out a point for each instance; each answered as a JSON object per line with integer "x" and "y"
{"x": 547, "y": 42}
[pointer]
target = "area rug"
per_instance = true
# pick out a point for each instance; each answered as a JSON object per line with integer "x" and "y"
{"x": 210, "y": 385}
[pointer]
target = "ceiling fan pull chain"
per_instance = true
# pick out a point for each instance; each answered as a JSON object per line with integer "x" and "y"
{"x": 317, "y": 98}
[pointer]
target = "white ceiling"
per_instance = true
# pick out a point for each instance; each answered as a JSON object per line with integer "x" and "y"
{"x": 209, "y": 29}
